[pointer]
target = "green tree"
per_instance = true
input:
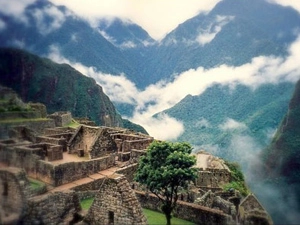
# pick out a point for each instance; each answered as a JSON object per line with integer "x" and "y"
{"x": 165, "y": 169}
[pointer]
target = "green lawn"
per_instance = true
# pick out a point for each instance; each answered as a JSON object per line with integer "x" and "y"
{"x": 73, "y": 124}
{"x": 21, "y": 120}
{"x": 35, "y": 184}
{"x": 86, "y": 203}
{"x": 156, "y": 218}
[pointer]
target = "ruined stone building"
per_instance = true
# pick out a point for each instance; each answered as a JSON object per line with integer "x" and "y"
{"x": 72, "y": 161}
{"x": 71, "y": 164}
{"x": 89, "y": 161}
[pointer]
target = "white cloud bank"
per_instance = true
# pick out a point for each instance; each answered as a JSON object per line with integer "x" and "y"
{"x": 232, "y": 124}
{"x": 162, "y": 95}
{"x": 208, "y": 34}
{"x": 157, "y": 17}
{"x": 41, "y": 15}
{"x": 291, "y": 3}
{"x": 15, "y": 8}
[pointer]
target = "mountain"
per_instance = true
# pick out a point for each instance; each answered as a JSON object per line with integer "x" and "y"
{"x": 124, "y": 33}
{"x": 45, "y": 27}
{"x": 221, "y": 116}
{"x": 232, "y": 33}
{"x": 275, "y": 174}
{"x": 59, "y": 86}
{"x": 282, "y": 156}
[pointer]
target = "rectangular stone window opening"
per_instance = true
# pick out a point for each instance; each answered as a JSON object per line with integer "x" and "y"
{"x": 111, "y": 218}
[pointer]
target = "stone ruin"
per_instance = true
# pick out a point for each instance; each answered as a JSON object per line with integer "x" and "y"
{"x": 101, "y": 162}
{"x": 75, "y": 161}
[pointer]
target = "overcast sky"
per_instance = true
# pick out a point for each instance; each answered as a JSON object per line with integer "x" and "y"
{"x": 157, "y": 17}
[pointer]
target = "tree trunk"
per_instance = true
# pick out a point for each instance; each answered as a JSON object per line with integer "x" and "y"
{"x": 168, "y": 217}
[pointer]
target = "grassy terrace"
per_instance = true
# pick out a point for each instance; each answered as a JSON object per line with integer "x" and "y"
{"x": 153, "y": 217}
{"x": 157, "y": 218}
{"x": 22, "y": 120}
{"x": 86, "y": 203}
{"x": 35, "y": 184}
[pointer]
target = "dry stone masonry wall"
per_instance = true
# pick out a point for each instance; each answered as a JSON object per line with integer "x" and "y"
{"x": 116, "y": 203}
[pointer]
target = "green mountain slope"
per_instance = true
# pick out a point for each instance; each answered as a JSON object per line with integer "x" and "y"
{"x": 275, "y": 174}
{"x": 58, "y": 86}
{"x": 282, "y": 156}
{"x": 214, "y": 119}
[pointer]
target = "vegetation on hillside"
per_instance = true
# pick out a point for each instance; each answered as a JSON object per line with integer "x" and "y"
{"x": 255, "y": 112}
{"x": 58, "y": 86}
{"x": 237, "y": 180}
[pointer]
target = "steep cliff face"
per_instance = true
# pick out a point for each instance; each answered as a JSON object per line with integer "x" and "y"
{"x": 58, "y": 86}
{"x": 276, "y": 180}
{"x": 282, "y": 157}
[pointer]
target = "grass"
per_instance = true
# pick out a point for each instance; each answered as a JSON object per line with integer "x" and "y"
{"x": 35, "y": 184}
{"x": 73, "y": 124}
{"x": 156, "y": 218}
{"x": 21, "y": 120}
{"x": 86, "y": 203}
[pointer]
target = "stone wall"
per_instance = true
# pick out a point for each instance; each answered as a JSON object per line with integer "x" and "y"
{"x": 52, "y": 208}
{"x": 212, "y": 177}
{"x": 93, "y": 185}
{"x": 68, "y": 172}
{"x": 30, "y": 159}
{"x": 55, "y": 152}
{"x": 128, "y": 171}
{"x": 86, "y": 194}
{"x": 102, "y": 145}
{"x": 13, "y": 187}
{"x": 35, "y": 125}
{"x": 252, "y": 212}
{"x": 53, "y": 141}
{"x": 61, "y": 118}
{"x": 197, "y": 214}
{"x": 20, "y": 156}
{"x": 136, "y": 154}
{"x": 116, "y": 203}
{"x": 59, "y": 130}
{"x": 140, "y": 144}
{"x": 39, "y": 107}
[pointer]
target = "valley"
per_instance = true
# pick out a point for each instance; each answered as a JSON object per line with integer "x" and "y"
{"x": 222, "y": 80}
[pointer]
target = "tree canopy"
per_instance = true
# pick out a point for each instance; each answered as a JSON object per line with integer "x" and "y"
{"x": 165, "y": 169}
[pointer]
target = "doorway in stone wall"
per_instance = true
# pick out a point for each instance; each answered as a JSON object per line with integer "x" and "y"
{"x": 111, "y": 218}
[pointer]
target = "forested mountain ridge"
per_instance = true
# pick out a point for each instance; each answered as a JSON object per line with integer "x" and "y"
{"x": 275, "y": 173}
{"x": 282, "y": 156}
{"x": 238, "y": 113}
{"x": 59, "y": 86}
{"x": 232, "y": 33}
{"x": 45, "y": 27}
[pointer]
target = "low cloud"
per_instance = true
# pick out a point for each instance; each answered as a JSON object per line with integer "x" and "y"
{"x": 15, "y": 8}
{"x": 2, "y": 25}
{"x": 162, "y": 127}
{"x": 163, "y": 95}
{"x": 156, "y": 17}
{"x": 232, "y": 124}
{"x": 48, "y": 19}
{"x": 207, "y": 35}
{"x": 203, "y": 123}
{"x": 291, "y": 3}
